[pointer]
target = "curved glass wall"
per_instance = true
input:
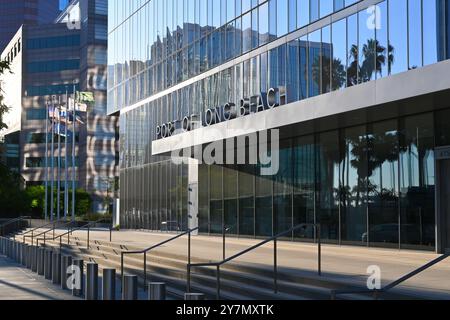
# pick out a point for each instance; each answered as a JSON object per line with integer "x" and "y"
{"x": 393, "y": 37}
{"x": 370, "y": 185}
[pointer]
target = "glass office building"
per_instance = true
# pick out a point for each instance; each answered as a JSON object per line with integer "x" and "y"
{"x": 30, "y": 12}
{"x": 362, "y": 103}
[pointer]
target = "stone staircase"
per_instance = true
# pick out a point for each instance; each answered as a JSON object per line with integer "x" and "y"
{"x": 238, "y": 281}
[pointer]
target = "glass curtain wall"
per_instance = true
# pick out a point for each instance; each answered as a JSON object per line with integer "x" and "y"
{"x": 369, "y": 185}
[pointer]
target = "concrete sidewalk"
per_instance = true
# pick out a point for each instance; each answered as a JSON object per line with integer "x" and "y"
{"x": 19, "y": 283}
{"x": 344, "y": 263}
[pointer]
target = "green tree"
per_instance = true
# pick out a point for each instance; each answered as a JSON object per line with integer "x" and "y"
{"x": 13, "y": 201}
{"x": 35, "y": 201}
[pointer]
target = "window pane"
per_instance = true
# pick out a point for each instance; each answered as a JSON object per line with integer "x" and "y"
{"x": 383, "y": 184}
{"x": 417, "y": 182}
{"x": 398, "y": 31}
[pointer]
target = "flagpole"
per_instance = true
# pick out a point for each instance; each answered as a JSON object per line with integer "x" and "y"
{"x": 46, "y": 161}
{"x": 58, "y": 204}
{"x": 66, "y": 167}
{"x": 73, "y": 152}
{"x": 52, "y": 172}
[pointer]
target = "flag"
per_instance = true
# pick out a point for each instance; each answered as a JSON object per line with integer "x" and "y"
{"x": 60, "y": 129}
{"x": 82, "y": 107}
{"x": 53, "y": 113}
{"x": 85, "y": 97}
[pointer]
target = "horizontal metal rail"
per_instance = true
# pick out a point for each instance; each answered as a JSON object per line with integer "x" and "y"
{"x": 67, "y": 224}
{"x": 12, "y": 221}
{"x": 145, "y": 251}
{"x": 83, "y": 227}
{"x": 377, "y": 292}
{"x": 40, "y": 227}
{"x": 275, "y": 267}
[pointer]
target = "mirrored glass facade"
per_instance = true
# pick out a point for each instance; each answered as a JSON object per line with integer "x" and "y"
{"x": 372, "y": 184}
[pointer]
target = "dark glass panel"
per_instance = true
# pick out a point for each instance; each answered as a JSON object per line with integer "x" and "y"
{"x": 417, "y": 182}
{"x": 303, "y": 160}
{"x": 353, "y": 186}
{"x": 327, "y": 177}
{"x": 246, "y": 200}
{"x": 230, "y": 184}
{"x": 282, "y": 191}
{"x": 383, "y": 165}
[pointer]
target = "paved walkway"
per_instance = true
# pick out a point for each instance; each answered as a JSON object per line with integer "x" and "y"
{"x": 338, "y": 262}
{"x": 19, "y": 283}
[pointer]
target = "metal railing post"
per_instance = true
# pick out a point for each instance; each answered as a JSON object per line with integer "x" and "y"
{"x": 218, "y": 282}
{"x": 110, "y": 234}
{"x": 189, "y": 247}
{"x": 223, "y": 241}
{"x": 121, "y": 271}
{"x": 275, "y": 267}
{"x": 145, "y": 271}
{"x": 88, "y": 232}
{"x": 319, "y": 253}
{"x": 188, "y": 284}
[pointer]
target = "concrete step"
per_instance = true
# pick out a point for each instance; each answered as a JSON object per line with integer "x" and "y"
{"x": 250, "y": 282}
{"x": 255, "y": 286}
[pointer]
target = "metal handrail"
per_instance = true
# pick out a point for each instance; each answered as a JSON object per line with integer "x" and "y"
{"x": 377, "y": 292}
{"x": 68, "y": 223}
{"x": 40, "y": 227}
{"x": 87, "y": 225}
{"x": 275, "y": 267}
{"x": 14, "y": 220}
{"x": 145, "y": 251}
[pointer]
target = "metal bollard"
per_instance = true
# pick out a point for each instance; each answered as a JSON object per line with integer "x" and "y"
{"x": 19, "y": 252}
{"x": 48, "y": 264}
{"x": 56, "y": 268}
{"x": 92, "y": 281}
{"x": 13, "y": 250}
{"x": 66, "y": 262}
{"x": 109, "y": 284}
{"x": 16, "y": 251}
{"x": 24, "y": 254}
{"x": 32, "y": 258}
{"x": 156, "y": 291}
{"x": 194, "y": 296}
{"x": 78, "y": 291}
{"x": 130, "y": 287}
{"x": 40, "y": 261}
